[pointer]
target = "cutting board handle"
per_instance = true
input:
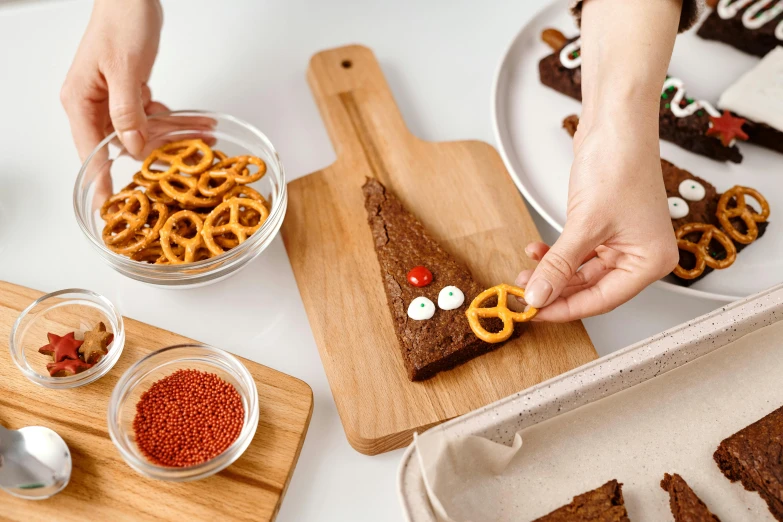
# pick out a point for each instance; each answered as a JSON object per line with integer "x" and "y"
{"x": 355, "y": 101}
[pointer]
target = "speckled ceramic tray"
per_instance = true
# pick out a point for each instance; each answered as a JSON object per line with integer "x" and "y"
{"x": 662, "y": 405}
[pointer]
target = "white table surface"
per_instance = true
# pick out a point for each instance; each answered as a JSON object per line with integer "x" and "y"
{"x": 248, "y": 58}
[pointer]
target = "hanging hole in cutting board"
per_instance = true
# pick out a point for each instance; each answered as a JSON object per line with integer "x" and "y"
{"x": 346, "y": 64}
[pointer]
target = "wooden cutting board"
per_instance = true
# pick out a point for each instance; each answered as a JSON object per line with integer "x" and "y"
{"x": 464, "y": 196}
{"x": 103, "y": 486}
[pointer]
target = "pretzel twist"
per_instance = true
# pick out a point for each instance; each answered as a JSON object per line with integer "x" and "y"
{"x": 701, "y": 249}
{"x": 123, "y": 223}
{"x": 475, "y": 313}
{"x": 147, "y": 234}
{"x": 184, "y": 190}
{"x": 215, "y": 224}
{"x": 742, "y": 211}
{"x": 169, "y": 238}
{"x": 176, "y": 155}
{"x": 239, "y": 164}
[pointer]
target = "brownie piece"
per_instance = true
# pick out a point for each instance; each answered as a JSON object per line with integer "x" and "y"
{"x": 764, "y": 136}
{"x": 687, "y": 129}
{"x": 604, "y": 504}
{"x": 732, "y": 31}
{"x": 555, "y": 75}
{"x": 756, "y": 97}
{"x": 690, "y": 131}
{"x": 402, "y": 243}
{"x": 685, "y": 505}
{"x": 754, "y": 456}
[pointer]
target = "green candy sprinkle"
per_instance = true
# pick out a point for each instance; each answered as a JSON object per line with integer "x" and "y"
{"x": 700, "y": 113}
{"x": 422, "y": 305}
{"x": 690, "y": 100}
{"x": 451, "y": 293}
{"x": 668, "y": 106}
{"x": 664, "y": 95}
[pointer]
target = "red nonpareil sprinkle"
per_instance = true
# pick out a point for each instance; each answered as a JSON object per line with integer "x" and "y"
{"x": 188, "y": 418}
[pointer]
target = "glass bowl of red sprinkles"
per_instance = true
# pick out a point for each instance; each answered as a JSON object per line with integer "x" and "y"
{"x": 67, "y": 339}
{"x": 184, "y": 412}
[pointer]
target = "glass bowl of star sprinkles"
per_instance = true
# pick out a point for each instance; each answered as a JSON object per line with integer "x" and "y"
{"x": 67, "y": 339}
{"x": 184, "y": 412}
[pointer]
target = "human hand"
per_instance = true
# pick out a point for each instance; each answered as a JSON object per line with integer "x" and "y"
{"x": 618, "y": 228}
{"x": 106, "y": 88}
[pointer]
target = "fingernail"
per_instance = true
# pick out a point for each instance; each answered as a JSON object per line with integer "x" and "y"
{"x": 537, "y": 293}
{"x": 529, "y": 253}
{"x": 133, "y": 141}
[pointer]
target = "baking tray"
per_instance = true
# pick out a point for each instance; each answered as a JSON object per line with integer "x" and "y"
{"x": 661, "y": 405}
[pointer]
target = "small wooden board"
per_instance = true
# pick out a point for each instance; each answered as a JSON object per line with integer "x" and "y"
{"x": 103, "y": 486}
{"x": 464, "y": 196}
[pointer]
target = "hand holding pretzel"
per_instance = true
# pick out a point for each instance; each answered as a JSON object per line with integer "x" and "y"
{"x": 742, "y": 211}
{"x": 701, "y": 250}
{"x": 475, "y": 313}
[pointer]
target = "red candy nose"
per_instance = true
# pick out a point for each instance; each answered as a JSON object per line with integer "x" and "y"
{"x": 419, "y": 276}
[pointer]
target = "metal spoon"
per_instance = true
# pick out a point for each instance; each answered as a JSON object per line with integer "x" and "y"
{"x": 35, "y": 462}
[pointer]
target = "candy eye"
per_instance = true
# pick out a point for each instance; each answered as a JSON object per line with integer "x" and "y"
{"x": 450, "y": 297}
{"x": 692, "y": 190}
{"x": 678, "y": 208}
{"x": 421, "y": 309}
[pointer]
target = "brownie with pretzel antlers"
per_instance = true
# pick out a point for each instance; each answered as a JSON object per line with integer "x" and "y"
{"x": 443, "y": 340}
{"x": 691, "y": 199}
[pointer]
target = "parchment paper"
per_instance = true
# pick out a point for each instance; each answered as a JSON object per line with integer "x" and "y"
{"x": 671, "y": 423}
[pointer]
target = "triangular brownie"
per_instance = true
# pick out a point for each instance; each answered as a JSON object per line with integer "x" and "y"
{"x": 604, "y": 504}
{"x": 686, "y": 506}
{"x": 401, "y": 242}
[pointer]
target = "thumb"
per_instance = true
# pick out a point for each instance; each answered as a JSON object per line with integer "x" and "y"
{"x": 556, "y": 268}
{"x": 126, "y": 109}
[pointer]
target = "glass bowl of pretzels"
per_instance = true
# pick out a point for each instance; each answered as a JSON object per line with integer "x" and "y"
{"x": 205, "y": 197}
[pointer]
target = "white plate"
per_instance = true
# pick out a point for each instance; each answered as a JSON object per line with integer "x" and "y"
{"x": 537, "y": 151}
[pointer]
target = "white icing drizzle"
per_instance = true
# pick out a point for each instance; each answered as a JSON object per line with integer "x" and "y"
{"x": 450, "y": 298}
{"x": 565, "y": 54}
{"x": 681, "y": 112}
{"x": 421, "y": 309}
{"x": 755, "y": 16}
{"x": 678, "y": 208}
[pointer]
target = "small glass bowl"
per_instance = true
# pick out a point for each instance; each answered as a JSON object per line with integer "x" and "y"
{"x": 162, "y": 363}
{"x": 62, "y": 312}
{"x": 110, "y": 168}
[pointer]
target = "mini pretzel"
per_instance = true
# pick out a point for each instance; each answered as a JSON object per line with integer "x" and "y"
{"x": 702, "y": 249}
{"x": 169, "y": 238}
{"x": 141, "y": 181}
{"x": 122, "y": 224}
{"x": 228, "y": 177}
{"x": 176, "y": 155}
{"x": 185, "y": 190}
{"x": 147, "y": 234}
{"x": 233, "y": 226}
{"x": 742, "y": 211}
{"x": 239, "y": 164}
{"x": 475, "y": 313}
{"x": 553, "y": 38}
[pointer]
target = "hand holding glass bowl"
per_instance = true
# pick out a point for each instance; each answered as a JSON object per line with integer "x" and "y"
{"x": 110, "y": 168}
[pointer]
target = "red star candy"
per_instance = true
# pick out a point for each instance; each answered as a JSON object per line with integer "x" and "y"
{"x": 727, "y": 128}
{"x": 60, "y": 348}
{"x": 67, "y": 367}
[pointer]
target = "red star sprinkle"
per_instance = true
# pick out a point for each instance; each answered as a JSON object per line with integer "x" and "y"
{"x": 60, "y": 348}
{"x": 727, "y": 128}
{"x": 67, "y": 367}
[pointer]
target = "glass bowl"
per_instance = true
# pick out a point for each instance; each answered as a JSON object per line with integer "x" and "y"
{"x": 110, "y": 168}
{"x": 162, "y": 363}
{"x": 62, "y": 312}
